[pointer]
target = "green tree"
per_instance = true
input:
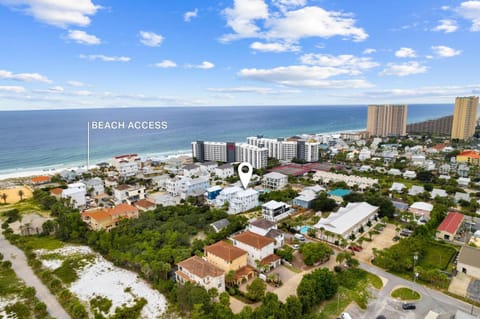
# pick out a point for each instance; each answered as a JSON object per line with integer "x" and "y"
{"x": 315, "y": 287}
{"x": 4, "y": 197}
{"x": 256, "y": 290}
{"x": 315, "y": 252}
{"x": 20, "y": 194}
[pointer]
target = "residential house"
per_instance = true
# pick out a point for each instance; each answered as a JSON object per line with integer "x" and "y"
{"x": 76, "y": 192}
{"x": 220, "y": 225}
{"x": 394, "y": 172}
{"x": 444, "y": 169}
{"x": 421, "y": 209}
{"x": 416, "y": 190}
{"x": 463, "y": 170}
{"x": 469, "y": 261}
{"x": 238, "y": 200}
{"x": 267, "y": 228}
{"x": 230, "y": 258}
{"x": 108, "y": 218}
{"x": 190, "y": 170}
{"x": 364, "y": 154}
{"x": 463, "y": 181}
{"x": 95, "y": 186}
{"x": 461, "y": 196}
{"x": 276, "y": 211}
{"x": 145, "y": 205}
{"x": 56, "y": 192}
{"x": 224, "y": 171}
{"x": 185, "y": 186}
{"x": 128, "y": 193}
{"x": 469, "y": 156}
{"x": 200, "y": 272}
{"x": 397, "y": 187}
{"x": 163, "y": 199}
{"x": 304, "y": 199}
{"x": 127, "y": 165}
{"x": 275, "y": 180}
{"x": 212, "y": 192}
{"x": 438, "y": 192}
{"x": 207, "y": 168}
{"x": 259, "y": 249}
{"x": 40, "y": 180}
{"x": 409, "y": 174}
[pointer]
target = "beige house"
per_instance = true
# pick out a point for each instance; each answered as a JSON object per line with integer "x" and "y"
{"x": 200, "y": 272}
{"x": 108, "y": 218}
{"x": 469, "y": 261}
{"x": 230, "y": 258}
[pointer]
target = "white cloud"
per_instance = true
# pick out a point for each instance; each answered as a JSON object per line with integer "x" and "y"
{"x": 445, "y": 52}
{"x": 258, "y": 90}
{"x": 53, "y": 90}
{"x": 83, "y": 37}
{"x": 83, "y": 93}
{"x": 345, "y": 61}
{"x": 470, "y": 10}
{"x": 405, "y": 53}
{"x": 314, "y": 22}
{"x": 105, "y": 58}
{"x": 204, "y": 65}
{"x": 285, "y": 5}
{"x": 150, "y": 39}
{"x": 165, "y": 64}
{"x": 189, "y": 15}
{"x": 60, "y": 13}
{"x": 369, "y": 51}
{"x": 446, "y": 26}
{"x": 26, "y": 77}
{"x": 303, "y": 76}
{"x": 12, "y": 88}
{"x": 241, "y": 18}
{"x": 404, "y": 69}
{"x": 274, "y": 47}
{"x": 76, "y": 83}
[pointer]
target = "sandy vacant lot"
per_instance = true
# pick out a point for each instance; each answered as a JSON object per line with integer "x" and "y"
{"x": 380, "y": 241}
{"x": 12, "y": 194}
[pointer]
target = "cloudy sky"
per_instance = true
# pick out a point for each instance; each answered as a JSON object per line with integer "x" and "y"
{"x": 97, "y": 53}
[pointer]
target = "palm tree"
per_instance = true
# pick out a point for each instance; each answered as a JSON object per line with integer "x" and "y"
{"x": 322, "y": 229}
{"x": 4, "y": 198}
{"x": 20, "y": 194}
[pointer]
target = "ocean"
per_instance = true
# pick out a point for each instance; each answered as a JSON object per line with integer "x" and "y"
{"x": 39, "y": 139}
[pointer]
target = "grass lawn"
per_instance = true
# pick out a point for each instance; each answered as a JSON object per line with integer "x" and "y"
{"x": 405, "y": 294}
{"x": 375, "y": 281}
{"x": 9, "y": 283}
{"x": 437, "y": 256}
{"x": 26, "y": 206}
{"x": 49, "y": 243}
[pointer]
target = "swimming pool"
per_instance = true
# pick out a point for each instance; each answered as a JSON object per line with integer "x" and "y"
{"x": 304, "y": 229}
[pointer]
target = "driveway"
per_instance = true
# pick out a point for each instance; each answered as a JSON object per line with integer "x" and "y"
{"x": 23, "y": 271}
{"x": 382, "y": 303}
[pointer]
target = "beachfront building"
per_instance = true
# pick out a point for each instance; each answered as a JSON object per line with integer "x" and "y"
{"x": 40, "y": 180}
{"x": 224, "y": 171}
{"x": 287, "y": 149}
{"x": 387, "y": 120}
{"x": 450, "y": 226}
{"x": 257, "y": 156}
{"x": 230, "y": 258}
{"x": 95, "y": 186}
{"x": 127, "y": 165}
{"x": 351, "y": 180}
{"x": 267, "y": 228}
{"x": 275, "y": 211}
{"x": 200, "y": 272}
{"x": 185, "y": 186}
{"x": 128, "y": 193}
{"x": 346, "y": 221}
{"x": 275, "y": 180}
{"x": 108, "y": 218}
{"x": 464, "y": 117}
{"x": 259, "y": 248}
{"x": 76, "y": 193}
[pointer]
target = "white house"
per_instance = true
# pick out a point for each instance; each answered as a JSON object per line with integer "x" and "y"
{"x": 224, "y": 171}
{"x": 397, "y": 187}
{"x": 128, "y": 193}
{"x": 275, "y": 180}
{"x": 76, "y": 192}
{"x": 163, "y": 199}
{"x": 190, "y": 170}
{"x": 418, "y": 160}
{"x": 416, "y": 190}
{"x": 304, "y": 198}
{"x": 347, "y": 220}
{"x": 444, "y": 169}
{"x": 259, "y": 248}
{"x": 409, "y": 174}
{"x": 207, "y": 168}
{"x": 464, "y": 181}
{"x": 438, "y": 192}
{"x": 364, "y": 154}
{"x": 95, "y": 185}
{"x": 429, "y": 165}
{"x": 394, "y": 172}
{"x": 127, "y": 165}
{"x": 461, "y": 196}
{"x": 268, "y": 229}
{"x": 201, "y": 272}
{"x": 185, "y": 186}
{"x": 421, "y": 209}
{"x": 275, "y": 211}
{"x": 243, "y": 200}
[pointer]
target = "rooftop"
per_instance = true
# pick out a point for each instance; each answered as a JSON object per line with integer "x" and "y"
{"x": 225, "y": 251}
{"x": 145, "y": 203}
{"x": 200, "y": 267}
{"x": 123, "y": 208}
{"x": 451, "y": 223}
{"x": 470, "y": 153}
{"x": 469, "y": 256}
{"x": 253, "y": 240}
{"x": 41, "y": 179}
{"x": 273, "y": 204}
{"x": 274, "y": 175}
{"x": 262, "y": 223}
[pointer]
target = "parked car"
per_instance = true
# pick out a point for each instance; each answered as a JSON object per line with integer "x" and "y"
{"x": 296, "y": 246}
{"x": 381, "y": 317}
{"x": 396, "y": 238}
{"x": 299, "y": 237}
{"x": 345, "y": 315}
{"x": 409, "y": 306}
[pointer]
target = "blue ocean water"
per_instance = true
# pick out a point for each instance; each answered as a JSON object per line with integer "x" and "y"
{"x": 53, "y": 138}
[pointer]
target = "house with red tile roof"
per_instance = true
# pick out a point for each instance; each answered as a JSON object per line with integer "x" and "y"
{"x": 40, "y": 180}
{"x": 450, "y": 226}
{"x": 258, "y": 247}
{"x": 108, "y": 218}
{"x": 200, "y": 272}
{"x": 145, "y": 205}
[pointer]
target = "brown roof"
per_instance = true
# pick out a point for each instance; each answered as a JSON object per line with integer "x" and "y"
{"x": 122, "y": 187}
{"x": 200, "y": 267}
{"x": 56, "y": 191}
{"x": 253, "y": 239}
{"x": 263, "y": 223}
{"x": 98, "y": 214}
{"x": 273, "y": 233}
{"x": 41, "y": 179}
{"x": 225, "y": 251}
{"x": 269, "y": 259}
{"x": 244, "y": 271}
{"x": 469, "y": 256}
{"x": 144, "y": 203}
{"x": 123, "y": 208}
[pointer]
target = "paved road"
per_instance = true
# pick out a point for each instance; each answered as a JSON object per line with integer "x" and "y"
{"x": 23, "y": 271}
{"x": 391, "y": 308}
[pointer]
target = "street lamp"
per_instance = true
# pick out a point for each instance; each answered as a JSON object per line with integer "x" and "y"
{"x": 415, "y": 274}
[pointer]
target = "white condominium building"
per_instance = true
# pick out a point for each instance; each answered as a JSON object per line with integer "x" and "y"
{"x": 210, "y": 151}
{"x": 287, "y": 150}
{"x": 257, "y": 156}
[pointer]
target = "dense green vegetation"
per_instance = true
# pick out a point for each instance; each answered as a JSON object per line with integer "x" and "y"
{"x": 386, "y": 208}
{"x": 286, "y": 195}
{"x": 315, "y": 252}
{"x": 323, "y": 203}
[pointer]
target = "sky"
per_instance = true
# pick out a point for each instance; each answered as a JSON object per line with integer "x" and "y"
{"x": 96, "y": 53}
